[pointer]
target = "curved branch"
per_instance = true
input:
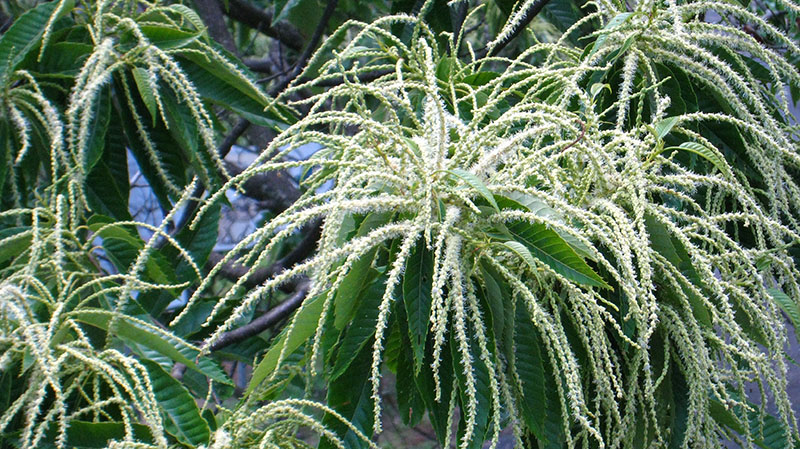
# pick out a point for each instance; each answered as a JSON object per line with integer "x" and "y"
{"x": 265, "y": 321}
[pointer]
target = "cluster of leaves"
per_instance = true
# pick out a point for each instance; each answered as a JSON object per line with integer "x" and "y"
{"x": 587, "y": 244}
{"x": 84, "y": 359}
{"x": 587, "y": 240}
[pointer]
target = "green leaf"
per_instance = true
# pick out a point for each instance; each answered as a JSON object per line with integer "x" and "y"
{"x": 522, "y": 251}
{"x": 615, "y": 22}
{"x": 168, "y": 37}
{"x": 123, "y": 244}
{"x": 107, "y": 185}
{"x": 679, "y": 400}
{"x": 362, "y": 324}
{"x": 151, "y": 337}
{"x": 417, "y": 298}
{"x": 350, "y": 395}
{"x": 183, "y": 416}
{"x": 547, "y": 246}
{"x": 229, "y": 94}
{"x": 480, "y": 375}
{"x": 788, "y": 305}
{"x": 282, "y": 9}
{"x": 222, "y": 70}
{"x": 664, "y": 126}
{"x": 562, "y": 14}
{"x": 528, "y": 361}
{"x": 64, "y": 58}
{"x": 97, "y": 129}
{"x": 496, "y": 295}
{"x": 85, "y": 435}
{"x": 26, "y": 33}
{"x": 480, "y": 78}
{"x": 359, "y": 277}
{"x": 476, "y": 184}
{"x": 14, "y": 241}
{"x": 198, "y": 242}
{"x": 672, "y": 250}
{"x": 772, "y": 435}
{"x": 304, "y": 325}
{"x": 537, "y": 206}
{"x": 167, "y": 151}
{"x": 705, "y": 152}
{"x": 141, "y": 78}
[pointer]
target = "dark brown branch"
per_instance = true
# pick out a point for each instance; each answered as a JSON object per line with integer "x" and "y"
{"x": 235, "y": 271}
{"x": 211, "y": 13}
{"x": 265, "y": 321}
{"x": 251, "y": 15}
{"x": 265, "y": 66}
{"x": 533, "y": 10}
{"x": 300, "y": 65}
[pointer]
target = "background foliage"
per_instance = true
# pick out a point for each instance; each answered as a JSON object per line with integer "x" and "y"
{"x": 544, "y": 223}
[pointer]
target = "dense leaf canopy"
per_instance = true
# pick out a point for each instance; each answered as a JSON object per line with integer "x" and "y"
{"x": 547, "y": 223}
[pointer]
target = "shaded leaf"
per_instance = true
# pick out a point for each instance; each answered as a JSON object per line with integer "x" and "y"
{"x": 183, "y": 416}
{"x": 417, "y": 298}
{"x": 476, "y": 184}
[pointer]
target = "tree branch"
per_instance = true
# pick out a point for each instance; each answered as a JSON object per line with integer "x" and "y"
{"x": 302, "y": 61}
{"x": 235, "y": 271}
{"x": 251, "y": 15}
{"x": 265, "y": 321}
{"x": 211, "y": 13}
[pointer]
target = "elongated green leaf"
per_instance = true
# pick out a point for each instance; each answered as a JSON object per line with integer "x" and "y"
{"x": 303, "y": 326}
{"x": 123, "y": 244}
{"x": 154, "y": 338}
{"x": 529, "y": 366}
{"x": 707, "y": 153}
{"x": 772, "y": 435}
{"x": 672, "y": 250}
{"x": 522, "y": 251}
{"x": 26, "y": 34}
{"x": 417, "y": 298}
{"x": 362, "y": 325}
{"x": 98, "y": 128}
{"x": 168, "y": 37}
{"x": 222, "y": 70}
{"x": 494, "y": 297}
{"x": 169, "y": 155}
{"x": 197, "y": 242}
{"x": 480, "y": 78}
{"x": 480, "y": 373}
{"x": 360, "y": 276}
{"x": 788, "y": 305}
{"x": 350, "y": 290}
{"x": 14, "y": 242}
{"x": 107, "y": 185}
{"x": 229, "y": 94}
{"x": 409, "y": 400}
{"x": 535, "y": 205}
{"x": 350, "y": 395}
{"x": 95, "y": 435}
{"x": 140, "y": 77}
{"x": 476, "y": 184}
{"x": 664, "y": 126}
{"x": 547, "y": 246}
{"x": 615, "y": 22}
{"x": 183, "y": 416}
